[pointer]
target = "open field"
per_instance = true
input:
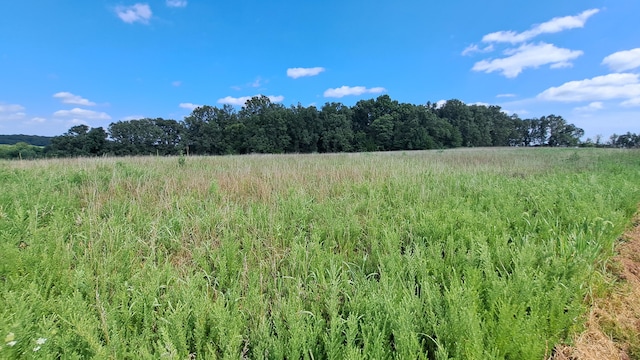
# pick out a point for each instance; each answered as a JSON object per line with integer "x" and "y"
{"x": 462, "y": 254}
{"x": 612, "y": 329}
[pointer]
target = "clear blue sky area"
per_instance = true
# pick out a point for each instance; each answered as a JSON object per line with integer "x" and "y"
{"x": 69, "y": 62}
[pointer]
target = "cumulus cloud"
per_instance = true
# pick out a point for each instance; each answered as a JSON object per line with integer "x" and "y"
{"x": 176, "y": 3}
{"x": 623, "y": 60}
{"x": 606, "y": 87}
{"x": 528, "y": 56}
{"x": 302, "y": 72}
{"x": 133, "y": 117}
{"x": 82, "y": 114}
{"x": 472, "y": 49}
{"x": 35, "y": 121}
{"x": 69, "y": 98}
{"x": 480, "y": 103}
{"x": 594, "y": 106}
{"x": 135, "y": 13}
{"x": 554, "y": 25}
{"x": 10, "y": 112}
{"x": 10, "y": 108}
{"x": 441, "y": 103}
{"x": 631, "y": 102}
{"x": 352, "y": 90}
{"x": 189, "y": 106}
{"x": 240, "y": 101}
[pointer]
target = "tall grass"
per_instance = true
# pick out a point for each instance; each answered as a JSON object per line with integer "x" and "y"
{"x": 462, "y": 254}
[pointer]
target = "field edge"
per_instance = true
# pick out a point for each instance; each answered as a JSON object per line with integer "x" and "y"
{"x": 612, "y": 327}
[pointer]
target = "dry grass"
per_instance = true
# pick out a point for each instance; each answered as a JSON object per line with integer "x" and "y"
{"x": 613, "y": 326}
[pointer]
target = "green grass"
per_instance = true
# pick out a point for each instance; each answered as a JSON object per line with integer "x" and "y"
{"x": 462, "y": 254}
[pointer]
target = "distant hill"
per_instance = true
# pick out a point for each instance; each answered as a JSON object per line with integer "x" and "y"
{"x": 29, "y": 139}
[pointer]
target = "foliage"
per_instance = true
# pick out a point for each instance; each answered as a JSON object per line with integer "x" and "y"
{"x": 34, "y": 140}
{"x": 29, "y": 139}
{"x": 260, "y": 126}
{"x": 461, "y": 254}
{"x": 628, "y": 140}
{"x": 80, "y": 140}
{"x": 21, "y": 150}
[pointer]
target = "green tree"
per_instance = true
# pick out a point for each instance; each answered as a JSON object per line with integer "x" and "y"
{"x": 266, "y": 125}
{"x": 20, "y": 150}
{"x": 205, "y": 128}
{"x": 135, "y": 137}
{"x": 79, "y": 140}
{"x": 336, "y": 131}
{"x": 303, "y": 127}
{"x": 410, "y": 130}
{"x": 460, "y": 116}
{"x": 561, "y": 133}
{"x": 170, "y": 141}
{"x": 382, "y": 131}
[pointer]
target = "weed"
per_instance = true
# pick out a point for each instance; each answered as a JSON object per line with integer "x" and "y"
{"x": 432, "y": 254}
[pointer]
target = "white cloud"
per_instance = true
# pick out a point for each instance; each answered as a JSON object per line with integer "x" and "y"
{"x": 134, "y": 13}
{"x": 176, "y": 83}
{"x": 352, "y": 90}
{"x": 301, "y": 72}
{"x": 69, "y": 98}
{"x": 594, "y": 106}
{"x": 472, "y": 49}
{"x": 440, "y": 103}
{"x": 606, "y": 87}
{"x": 256, "y": 83}
{"x": 176, "y": 3}
{"x": 623, "y": 60}
{"x": 35, "y": 121}
{"x": 240, "y": 101}
{"x": 10, "y": 108}
{"x": 10, "y": 112}
{"x": 12, "y": 116}
{"x": 561, "y": 65}
{"x": 631, "y": 102}
{"x": 133, "y": 117}
{"x": 528, "y": 56}
{"x": 189, "y": 106}
{"x": 82, "y": 114}
{"x": 506, "y": 95}
{"x": 515, "y": 112}
{"x": 480, "y": 103}
{"x": 554, "y": 25}
{"x": 276, "y": 99}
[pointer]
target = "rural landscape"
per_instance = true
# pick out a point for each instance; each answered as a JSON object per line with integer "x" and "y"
{"x": 468, "y": 253}
{"x": 262, "y": 126}
{"x": 320, "y": 180}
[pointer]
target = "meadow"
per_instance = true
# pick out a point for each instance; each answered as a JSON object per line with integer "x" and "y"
{"x": 454, "y": 254}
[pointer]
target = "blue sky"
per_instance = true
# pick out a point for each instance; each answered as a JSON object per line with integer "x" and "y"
{"x": 95, "y": 62}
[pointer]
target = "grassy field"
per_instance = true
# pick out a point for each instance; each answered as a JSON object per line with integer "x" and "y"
{"x": 461, "y": 254}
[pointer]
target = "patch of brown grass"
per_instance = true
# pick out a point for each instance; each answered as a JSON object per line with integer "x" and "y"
{"x": 613, "y": 326}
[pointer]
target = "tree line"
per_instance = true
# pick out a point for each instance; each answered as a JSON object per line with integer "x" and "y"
{"x": 261, "y": 126}
{"x": 28, "y": 139}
